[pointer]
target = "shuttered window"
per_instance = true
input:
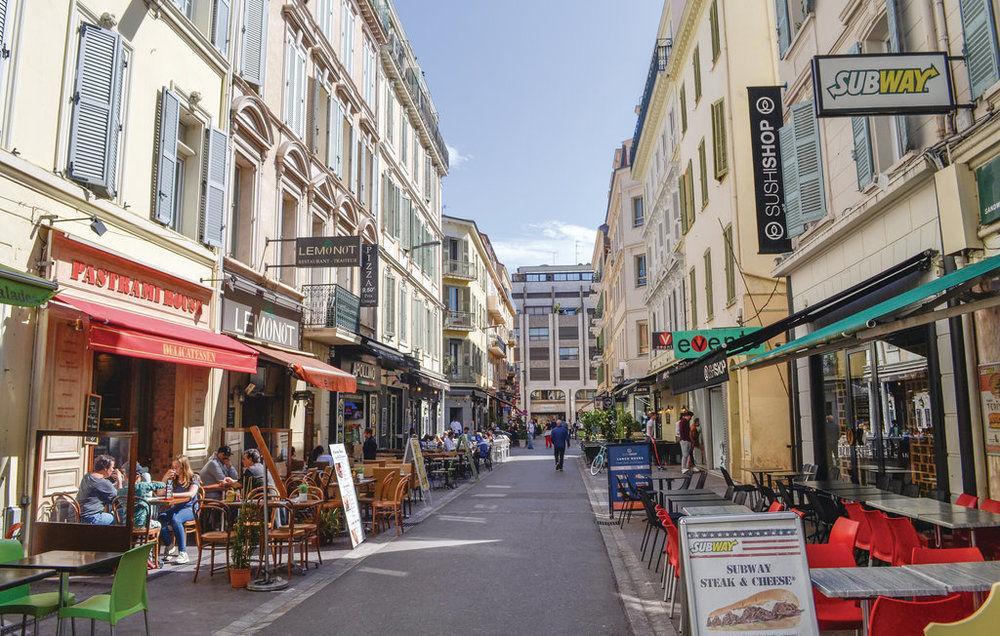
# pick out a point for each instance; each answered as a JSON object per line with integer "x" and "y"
{"x": 981, "y": 55}
{"x": 96, "y": 121}
{"x": 335, "y": 136}
{"x": 784, "y": 26}
{"x": 684, "y": 110}
{"x": 719, "y": 157}
{"x": 864, "y": 158}
{"x": 696, "y": 69}
{"x": 896, "y": 45}
{"x": 389, "y": 305}
{"x": 729, "y": 264}
{"x": 693, "y": 310}
{"x": 347, "y": 37}
{"x": 802, "y": 170}
{"x": 713, "y": 21}
{"x": 165, "y": 195}
{"x": 324, "y": 16}
{"x": 220, "y": 25}
{"x": 254, "y": 39}
{"x": 709, "y": 296}
{"x": 703, "y": 173}
{"x": 403, "y": 324}
{"x": 295, "y": 87}
{"x": 214, "y": 176}
{"x": 689, "y": 195}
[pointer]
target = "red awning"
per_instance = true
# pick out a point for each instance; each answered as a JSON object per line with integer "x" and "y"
{"x": 130, "y": 334}
{"x": 313, "y": 371}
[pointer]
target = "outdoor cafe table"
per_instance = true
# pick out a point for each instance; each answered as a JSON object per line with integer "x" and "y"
{"x": 975, "y": 577}
{"x": 700, "y": 510}
{"x": 670, "y": 479}
{"x": 938, "y": 513}
{"x": 13, "y": 577}
{"x": 679, "y": 497}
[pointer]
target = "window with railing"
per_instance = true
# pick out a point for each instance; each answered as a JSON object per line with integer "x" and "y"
{"x": 330, "y": 305}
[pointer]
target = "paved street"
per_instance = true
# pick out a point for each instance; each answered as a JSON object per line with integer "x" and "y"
{"x": 519, "y": 551}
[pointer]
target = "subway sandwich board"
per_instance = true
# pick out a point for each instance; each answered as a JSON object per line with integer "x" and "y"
{"x": 747, "y": 574}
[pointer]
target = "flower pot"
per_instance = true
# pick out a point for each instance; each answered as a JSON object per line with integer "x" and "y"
{"x": 239, "y": 578}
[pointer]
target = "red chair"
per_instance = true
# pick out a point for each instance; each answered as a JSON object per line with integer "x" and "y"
{"x": 856, "y": 513}
{"x": 671, "y": 573}
{"x": 881, "y": 538}
{"x": 844, "y": 531}
{"x": 776, "y": 506}
{"x": 833, "y": 613}
{"x": 909, "y": 618}
{"x": 904, "y": 539}
{"x": 950, "y": 555}
{"x": 967, "y": 500}
{"x": 990, "y": 505}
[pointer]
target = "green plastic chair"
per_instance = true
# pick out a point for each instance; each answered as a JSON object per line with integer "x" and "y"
{"x": 20, "y": 600}
{"x": 128, "y": 594}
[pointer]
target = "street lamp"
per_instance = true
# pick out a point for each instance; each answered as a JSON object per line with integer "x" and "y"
{"x": 420, "y": 246}
{"x": 96, "y": 225}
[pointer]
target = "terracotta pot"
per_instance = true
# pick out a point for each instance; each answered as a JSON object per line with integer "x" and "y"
{"x": 239, "y": 578}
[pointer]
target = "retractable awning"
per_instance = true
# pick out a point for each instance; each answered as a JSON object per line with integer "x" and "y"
{"x": 130, "y": 334}
{"x": 315, "y": 372}
{"x": 864, "y": 325}
{"x": 24, "y": 290}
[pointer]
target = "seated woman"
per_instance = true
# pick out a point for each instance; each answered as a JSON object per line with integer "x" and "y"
{"x": 144, "y": 489}
{"x": 98, "y": 489}
{"x": 253, "y": 471}
{"x": 186, "y": 484}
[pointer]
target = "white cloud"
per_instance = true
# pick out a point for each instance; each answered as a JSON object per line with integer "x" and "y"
{"x": 549, "y": 242}
{"x": 456, "y": 158}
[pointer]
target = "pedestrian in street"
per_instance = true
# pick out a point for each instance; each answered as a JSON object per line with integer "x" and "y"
{"x": 530, "y": 434}
{"x": 370, "y": 448}
{"x": 560, "y": 439}
{"x": 684, "y": 436}
{"x": 548, "y": 434}
{"x": 697, "y": 442}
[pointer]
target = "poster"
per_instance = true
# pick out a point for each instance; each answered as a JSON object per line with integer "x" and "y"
{"x": 747, "y": 573}
{"x": 414, "y": 454}
{"x": 632, "y": 461}
{"x": 345, "y": 480}
{"x": 989, "y": 392}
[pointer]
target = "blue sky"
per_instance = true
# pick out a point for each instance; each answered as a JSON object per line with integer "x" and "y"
{"x": 533, "y": 98}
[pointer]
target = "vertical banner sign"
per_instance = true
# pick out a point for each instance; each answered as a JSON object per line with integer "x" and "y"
{"x": 630, "y": 461}
{"x": 369, "y": 275}
{"x": 345, "y": 479}
{"x": 747, "y": 574}
{"x": 414, "y": 454}
{"x": 765, "y": 120}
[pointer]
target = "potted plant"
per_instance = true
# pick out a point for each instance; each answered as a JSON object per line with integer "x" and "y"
{"x": 624, "y": 424}
{"x": 593, "y": 422}
{"x": 330, "y": 525}
{"x": 242, "y": 542}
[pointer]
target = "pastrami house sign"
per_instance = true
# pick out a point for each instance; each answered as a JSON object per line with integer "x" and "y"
{"x": 113, "y": 281}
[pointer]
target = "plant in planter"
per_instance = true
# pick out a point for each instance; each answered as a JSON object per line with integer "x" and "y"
{"x": 330, "y": 525}
{"x": 624, "y": 424}
{"x": 243, "y": 540}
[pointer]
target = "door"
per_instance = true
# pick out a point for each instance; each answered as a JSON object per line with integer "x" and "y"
{"x": 718, "y": 436}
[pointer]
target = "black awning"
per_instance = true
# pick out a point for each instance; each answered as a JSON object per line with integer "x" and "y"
{"x": 389, "y": 357}
{"x": 707, "y": 371}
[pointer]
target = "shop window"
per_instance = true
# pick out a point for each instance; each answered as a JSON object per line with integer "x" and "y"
{"x": 790, "y": 16}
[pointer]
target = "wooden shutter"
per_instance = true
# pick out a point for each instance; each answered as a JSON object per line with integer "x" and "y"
{"x": 808, "y": 159}
{"x": 696, "y": 68}
{"x": 719, "y": 157}
{"x": 703, "y": 173}
{"x": 790, "y": 180}
{"x": 689, "y": 189}
{"x": 896, "y": 45}
{"x": 864, "y": 161}
{"x": 254, "y": 41}
{"x": 713, "y": 20}
{"x": 684, "y": 110}
{"x": 166, "y": 164}
{"x": 220, "y": 25}
{"x": 214, "y": 175}
{"x": 682, "y": 200}
{"x": 95, "y": 125}
{"x": 784, "y": 26}
{"x": 981, "y": 57}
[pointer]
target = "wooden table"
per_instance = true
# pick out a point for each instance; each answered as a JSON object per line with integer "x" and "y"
{"x": 14, "y": 577}
{"x": 700, "y": 510}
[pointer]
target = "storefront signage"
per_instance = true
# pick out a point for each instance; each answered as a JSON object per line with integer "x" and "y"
{"x": 24, "y": 290}
{"x": 988, "y": 182}
{"x": 712, "y": 370}
{"x": 111, "y": 280}
{"x": 255, "y": 319}
{"x": 328, "y": 251}
{"x": 765, "y": 120}
{"x": 630, "y": 461}
{"x": 747, "y": 574}
{"x": 92, "y": 421}
{"x": 369, "y": 275}
{"x": 694, "y": 344}
{"x": 989, "y": 392}
{"x": 365, "y": 373}
{"x": 883, "y": 83}
{"x": 345, "y": 480}
{"x": 663, "y": 340}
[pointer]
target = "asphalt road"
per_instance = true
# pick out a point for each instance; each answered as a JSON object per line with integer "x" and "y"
{"x": 517, "y": 553}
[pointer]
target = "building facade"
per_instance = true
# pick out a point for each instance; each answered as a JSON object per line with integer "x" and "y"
{"x": 555, "y": 306}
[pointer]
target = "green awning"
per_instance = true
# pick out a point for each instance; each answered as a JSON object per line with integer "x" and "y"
{"x": 848, "y": 326}
{"x": 24, "y": 290}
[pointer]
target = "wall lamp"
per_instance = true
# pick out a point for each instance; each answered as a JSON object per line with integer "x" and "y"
{"x": 420, "y": 246}
{"x": 96, "y": 225}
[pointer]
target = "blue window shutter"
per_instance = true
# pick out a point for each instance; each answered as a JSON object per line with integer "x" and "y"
{"x": 812, "y": 199}
{"x": 214, "y": 173}
{"x": 166, "y": 165}
{"x": 864, "y": 162}
{"x": 981, "y": 56}
{"x": 254, "y": 41}
{"x": 790, "y": 179}
{"x": 896, "y": 45}
{"x": 784, "y": 26}
{"x": 95, "y": 125}
{"x": 220, "y": 25}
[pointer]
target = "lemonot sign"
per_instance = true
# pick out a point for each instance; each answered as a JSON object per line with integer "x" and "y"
{"x": 880, "y": 84}
{"x": 695, "y": 344}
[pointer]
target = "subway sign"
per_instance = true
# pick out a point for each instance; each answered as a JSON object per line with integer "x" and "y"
{"x": 695, "y": 344}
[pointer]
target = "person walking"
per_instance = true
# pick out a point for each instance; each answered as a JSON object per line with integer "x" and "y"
{"x": 684, "y": 435}
{"x": 529, "y": 437}
{"x": 560, "y": 438}
{"x": 548, "y": 434}
{"x": 651, "y": 437}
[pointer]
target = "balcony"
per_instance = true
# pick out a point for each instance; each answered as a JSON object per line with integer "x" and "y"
{"x": 659, "y": 63}
{"x": 497, "y": 346}
{"x": 458, "y": 269}
{"x": 458, "y": 320}
{"x": 409, "y": 73}
{"x": 332, "y": 314}
{"x": 493, "y": 309}
{"x": 464, "y": 376}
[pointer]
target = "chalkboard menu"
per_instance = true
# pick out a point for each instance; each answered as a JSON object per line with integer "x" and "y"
{"x": 92, "y": 423}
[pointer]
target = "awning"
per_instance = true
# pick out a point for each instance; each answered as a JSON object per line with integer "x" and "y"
{"x": 927, "y": 295}
{"x": 130, "y": 334}
{"x": 389, "y": 357}
{"x": 24, "y": 290}
{"x": 318, "y": 374}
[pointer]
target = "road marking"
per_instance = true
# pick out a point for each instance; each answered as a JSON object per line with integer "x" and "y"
{"x": 396, "y": 573}
{"x": 491, "y": 486}
{"x": 462, "y": 519}
{"x": 490, "y": 494}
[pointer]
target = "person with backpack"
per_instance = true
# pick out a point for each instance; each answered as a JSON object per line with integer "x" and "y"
{"x": 696, "y": 442}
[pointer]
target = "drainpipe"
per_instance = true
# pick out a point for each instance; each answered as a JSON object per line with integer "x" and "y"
{"x": 794, "y": 407}
{"x": 938, "y": 25}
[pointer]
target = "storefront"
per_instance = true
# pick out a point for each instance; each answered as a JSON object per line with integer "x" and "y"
{"x": 358, "y": 410}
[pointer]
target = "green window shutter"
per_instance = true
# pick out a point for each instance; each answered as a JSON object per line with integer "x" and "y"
{"x": 96, "y": 122}
{"x": 790, "y": 180}
{"x": 784, "y": 26}
{"x": 690, "y": 194}
{"x": 703, "y": 173}
{"x": 863, "y": 162}
{"x": 981, "y": 56}
{"x": 709, "y": 299}
{"x": 166, "y": 165}
{"x": 696, "y": 68}
{"x": 727, "y": 239}
{"x": 692, "y": 286}
{"x": 215, "y": 169}
{"x": 682, "y": 183}
{"x": 684, "y": 110}
{"x": 719, "y": 157}
{"x": 808, "y": 159}
{"x": 896, "y": 41}
{"x": 713, "y": 20}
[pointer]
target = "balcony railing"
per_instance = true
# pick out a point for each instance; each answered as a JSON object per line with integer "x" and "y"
{"x": 497, "y": 341}
{"x": 454, "y": 319}
{"x": 464, "y": 376}
{"x": 331, "y": 305}
{"x": 462, "y": 269}
{"x": 657, "y": 64}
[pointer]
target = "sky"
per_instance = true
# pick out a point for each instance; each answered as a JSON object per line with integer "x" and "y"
{"x": 533, "y": 98}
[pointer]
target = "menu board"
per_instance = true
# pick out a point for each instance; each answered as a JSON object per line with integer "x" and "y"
{"x": 989, "y": 392}
{"x": 92, "y": 421}
{"x": 632, "y": 461}
{"x": 342, "y": 466}
{"x": 414, "y": 454}
{"x": 747, "y": 573}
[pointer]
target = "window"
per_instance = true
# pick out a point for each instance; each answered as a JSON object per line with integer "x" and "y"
{"x": 390, "y": 114}
{"x": 730, "y": 264}
{"x": 389, "y": 305}
{"x": 642, "y": 337}
{"x": 369, "y": 67}
{"x": 719, "y": 156}
{"x": 538, "y": 333}
{"x": 709, "y": 296}
{"x": 324, "y": 17}
{"x": 802, "y": 169}
{"x": 427, "y": 178}
{"x": 696, "y": 69}
{"x": 684, "y": 110}
{"x": 404, "y": 298}
{"x": 211, "y": 17}
{"x": 694, "y": 299}
{"x": 569, "y": 353}
{"x": 347, "y": 36}
{"x": 790, "y": 15}
{"x": 638, "y": 214}
{"x": 640, "y": 270}
{"x": 254, "y": 36}
{"x": 687, "y": 198}
{"x": 713, "y": 21}
{"x": 295, "y": 86}
{"x": 703, "y": 173}
{"x": 244, "y": 201}
{"x": 981, "y": 55}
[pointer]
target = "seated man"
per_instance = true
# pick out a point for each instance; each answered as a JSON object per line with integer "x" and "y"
{"x": 449, "y": 441}
{"x": 97, "y": 490}
{"x": 218, "y": 474}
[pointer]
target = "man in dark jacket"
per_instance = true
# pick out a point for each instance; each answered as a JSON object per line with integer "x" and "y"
{"x": 560, "y": 437}
{"x": 370, "y": 448}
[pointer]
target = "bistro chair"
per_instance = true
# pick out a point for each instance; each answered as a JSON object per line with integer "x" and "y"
{"x": 909, "y": 618}
{"x": 702, "y": 476}
{"x": 844, "y": 531}
{"x": 990, "y": 505}
{"x": 672, "y": 573}
{"x": 983, "y": 622}
{"x": 20, "y": 600}
{"x": 128, "y": 594}
{"x": 857, "y": 513}
{"x": 967, "y": 501}
{"x": 64, "y": 508}
{"x": 211, "y": 531}
{"x": 949, "y": 555}
{"x": 685, "y": 483}
{"x": 833, "y": 613}
{"x": 308, "y": 519}
{"x": 732, "y": 488}
{"x": 904, "y": 539}
{"x": 392, "y": 508}
{"x": 881, "y": 538}
{"x": 653, "y": 527}
{"x": 285, "y": 537}
{"x": 776, "y": 506}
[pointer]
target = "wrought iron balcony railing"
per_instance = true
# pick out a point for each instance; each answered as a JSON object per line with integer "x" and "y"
{"x": 330, "y": 305}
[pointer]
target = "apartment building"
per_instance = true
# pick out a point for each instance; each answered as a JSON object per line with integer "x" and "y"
{"x": 477, "y": 325}
{"x": 692, "y": 157}
{"x": 624, "y": 338}
{"x": 555, "y": 306}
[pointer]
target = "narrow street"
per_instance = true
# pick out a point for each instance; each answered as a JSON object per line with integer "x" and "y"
{"x": 519, "y": 552}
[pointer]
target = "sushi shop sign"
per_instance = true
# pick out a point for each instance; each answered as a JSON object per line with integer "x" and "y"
{"x": 747, "y": 574}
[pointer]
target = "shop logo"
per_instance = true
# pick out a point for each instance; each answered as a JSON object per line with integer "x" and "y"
{"x": 699, "y": 343}
{"x": 887, "y": 81}
{"x": 713, "y": 547}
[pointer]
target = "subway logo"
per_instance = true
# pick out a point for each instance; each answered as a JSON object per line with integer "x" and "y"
{"x": 889, "y": 81}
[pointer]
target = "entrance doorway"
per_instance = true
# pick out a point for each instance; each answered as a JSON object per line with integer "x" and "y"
{"x": 716, "y": 443}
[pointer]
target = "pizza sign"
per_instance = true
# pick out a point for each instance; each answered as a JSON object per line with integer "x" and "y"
{"x": 695, "y": 344}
